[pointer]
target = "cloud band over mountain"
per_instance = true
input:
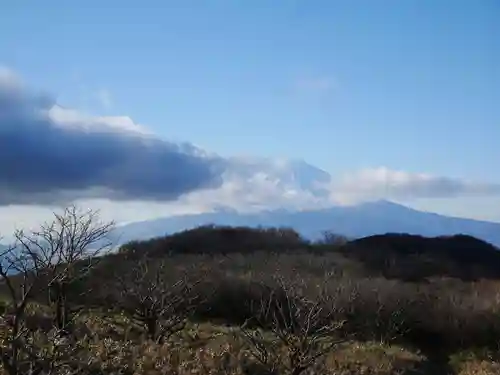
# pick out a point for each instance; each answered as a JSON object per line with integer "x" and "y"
{"x": 52, "y": 155}
{"x": 383, "y": 182}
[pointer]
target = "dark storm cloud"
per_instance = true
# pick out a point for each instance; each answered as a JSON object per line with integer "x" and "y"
{"x": 44, "y": 161}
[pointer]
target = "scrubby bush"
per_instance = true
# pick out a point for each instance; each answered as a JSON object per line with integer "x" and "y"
{"x": 220, "y": 300}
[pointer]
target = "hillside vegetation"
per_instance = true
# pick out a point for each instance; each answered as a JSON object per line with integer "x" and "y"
{"x": 223, "y": 300}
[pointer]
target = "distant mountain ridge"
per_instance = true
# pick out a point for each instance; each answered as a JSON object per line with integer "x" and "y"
{"x": 273, "y": 192}
{"x": 357, "y": 221}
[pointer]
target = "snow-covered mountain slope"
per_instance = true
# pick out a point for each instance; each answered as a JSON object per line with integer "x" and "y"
{"x": 288, "y": 173}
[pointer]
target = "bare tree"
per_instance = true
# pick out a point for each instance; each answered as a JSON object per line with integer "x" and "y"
{"x": 153, "y": 301}
{"x": 46, "y": 261}
{"x": 63, "y": 252}
{"x": 331, "y": 238}
{"x": 293, "y": 331}
{"x": 19, "y": 293}
{"x": 20, "y": 350}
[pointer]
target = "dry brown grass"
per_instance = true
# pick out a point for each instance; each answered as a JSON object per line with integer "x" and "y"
{"x": 107, "y": 346}
{"x": 380, "y": 313}
{"x": 479, "y": 367}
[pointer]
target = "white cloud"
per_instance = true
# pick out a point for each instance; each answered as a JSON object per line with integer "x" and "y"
{"x": 254, "y": 193}
{"x": 70, "y": 118}
{"x": 9, "y": 79}
{"x": 276, "y": 185}
{"x": 382, "y": 182}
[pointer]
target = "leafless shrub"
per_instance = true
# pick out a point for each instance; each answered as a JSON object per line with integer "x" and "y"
{"x": 154, "y": 302}
{"x": 375, "y": 309}
{"x": 294, "y": 331}
{"x": 45, "y": 261}
{"x": 13, "y": 316}
{"x": 20, "y": 348}
{"x": 63, "y": 252}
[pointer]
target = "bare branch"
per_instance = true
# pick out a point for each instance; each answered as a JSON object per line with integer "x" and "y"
{"x": 62, "y": 252}
{"x": 161, "y": 307}
{"x": 48, "y": 261}
{"x": 305, "y": 326}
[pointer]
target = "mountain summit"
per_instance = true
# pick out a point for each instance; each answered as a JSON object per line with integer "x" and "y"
{"x": 293, "y": 174}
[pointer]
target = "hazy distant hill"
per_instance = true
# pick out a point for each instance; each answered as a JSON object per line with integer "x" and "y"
{"x": 353, "y": 221}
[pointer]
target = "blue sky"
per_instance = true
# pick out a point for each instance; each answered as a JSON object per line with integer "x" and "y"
{"x": 409, "y": 85}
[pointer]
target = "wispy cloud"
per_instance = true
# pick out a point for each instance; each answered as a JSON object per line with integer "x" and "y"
{"x": 50, "y": 154}
{"x": 382, "y": 182}
{"x": 104, "y": 97}
{"x": 319, "y": 84}
{"x": 9, "y": 79}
